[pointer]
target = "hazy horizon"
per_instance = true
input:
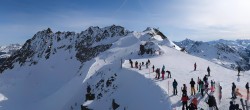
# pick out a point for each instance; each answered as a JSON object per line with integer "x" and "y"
{"x": 178, "y": 19}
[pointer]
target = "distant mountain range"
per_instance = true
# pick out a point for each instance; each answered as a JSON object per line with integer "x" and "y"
{"x": 228, "y": 53}
{"x": 7, "y": 51}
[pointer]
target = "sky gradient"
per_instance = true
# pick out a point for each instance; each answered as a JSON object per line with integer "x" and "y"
{"x": 178, "y": 19}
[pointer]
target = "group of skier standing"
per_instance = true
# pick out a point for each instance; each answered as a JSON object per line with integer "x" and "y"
{"x": 202, "y": 87}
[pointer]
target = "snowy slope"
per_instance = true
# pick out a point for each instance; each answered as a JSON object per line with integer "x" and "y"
{"x": 227, "y": 53}
{"x": 181, "y": 66}
{"x": 54, "y": 70}
{"x": 51, "y": 70}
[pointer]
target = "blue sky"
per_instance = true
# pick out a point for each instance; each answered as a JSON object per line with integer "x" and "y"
{"x": 178, "y": 19}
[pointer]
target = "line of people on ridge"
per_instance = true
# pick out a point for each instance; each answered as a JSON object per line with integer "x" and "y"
{"x": 159, "y": 73}
{"x": 139, "y": 65}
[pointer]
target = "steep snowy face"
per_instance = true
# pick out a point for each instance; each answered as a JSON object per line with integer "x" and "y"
{"x": 84, "y": 45}
{"x": 227, "y": 53}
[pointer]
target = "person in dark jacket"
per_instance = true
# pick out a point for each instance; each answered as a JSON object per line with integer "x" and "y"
{"x": 208, "y": 71}
{"x": 195, "y": 66}
{"x": 148, "y": 61}
{"x": 153, "y": 67}
{"x": 136, "y": 64}
{"x": 131, "y": 63}
{"x": 205, "y": 78}
{"x": 192, "y": 83}
{"x": 184, "y": 100}
{"x": 239, "y": 70}
{"x": 233, "y": 91}
{"x": 175, "y": 84}
{"x": 184, "y": 89}
{"x": 169, "y": 74}
{"x": 156, "y": 71}
{"x": 232, "y": 106}
{"x": 202, "y": 88}
{"x": 247, "y": 87}
{"x": 212, "y": 102}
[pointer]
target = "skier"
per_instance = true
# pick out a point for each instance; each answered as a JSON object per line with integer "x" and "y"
{"x": 212, "y": 102}
{"x": 193, "y": 104}
{"x": 136, "y": 64}
{"x": 184, "y": 100}
{"x": 247, "y": 87}
{"x": 153, "y": 68}
{"x": 163, "y": 68}
{"x": 208, "y": 71}
{"x": 156, "y": 71}
{"x": 140, "y": 66}
{"x": 201, "y": 86}
{"x": 212, "y": 86}
{"x": 147, "y": 65}
{"x": 162, "y": 74}
{"x": 192, "y": 83}
{"x": 142, "y": 63}
{"x": 233, "y": 91}
{"x": 195, "y": 66}
{"x": 239, "y": 70}
{"x": 198, "y": 84}
{"x": 220, "y": 93}
{"x": 206, "y": 87}
{"x": 184, "y": 89}
{"x": 175, "y": 84}
{"x": 131, "y": 63}
{"x": 232, "y": 106}
{"x": 148, "y": 62}
{"x": 169, "y": 74}
{"x": 205, "y": 78}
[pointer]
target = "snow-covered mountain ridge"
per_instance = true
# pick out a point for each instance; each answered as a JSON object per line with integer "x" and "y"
{"x": 227, "y": 53}
{"x": 53, "y": 70}
{"x": 52, "y": 66}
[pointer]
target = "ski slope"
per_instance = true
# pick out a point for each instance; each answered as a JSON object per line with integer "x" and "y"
{"x": 60, "y": 82}
{"x": 181, "y": 67}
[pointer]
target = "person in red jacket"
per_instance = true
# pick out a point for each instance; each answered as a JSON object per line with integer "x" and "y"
{"x": 162, "y": 74}
{"x": 184, "y": 100}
